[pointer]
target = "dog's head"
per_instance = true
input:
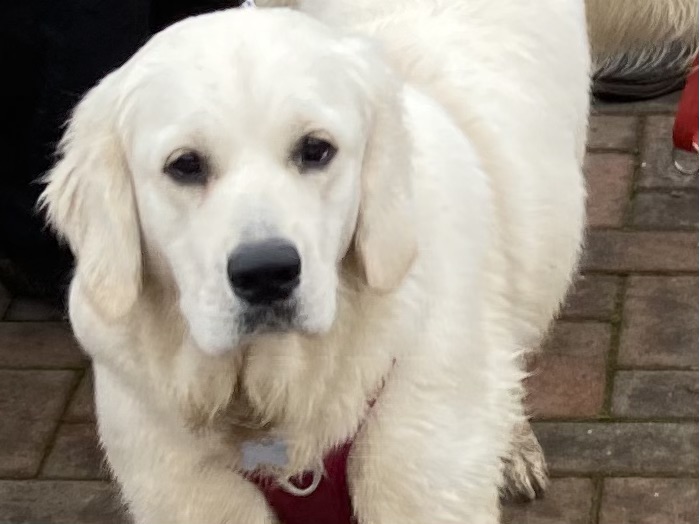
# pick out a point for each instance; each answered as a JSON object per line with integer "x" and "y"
{"x": 241, "y": 156}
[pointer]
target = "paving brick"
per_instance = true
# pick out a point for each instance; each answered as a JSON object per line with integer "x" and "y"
{"x": 613, "y": 132}
{"x": 39, "y": 345}
{"x": 660, "y": 322}
{"x": 641, "y": 251}
{"x": 568, "y": 376}
{"x": 76, "y": 454}
{"x": 673, "y": 210}
{"x": 567, "y": 501}
{"x": 609, "y": 179}
{"x": 30, "y": 406}
{"x": 592, "y": 297}
{"x": 4, "y": 300}
{"x": 64, "y": 502}
{"x": 649, "y": 501}
{"x": 647, "y": 394}
{"x": 82, "y": 405}
{"x": 632, "y": 448}
{"x": 657, "y": 169}
{"x": 662, "y": 104}
{"x": 31, "y": 309}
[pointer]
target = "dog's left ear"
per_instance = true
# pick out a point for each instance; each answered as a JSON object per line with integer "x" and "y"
{"x": 385, "y": 237}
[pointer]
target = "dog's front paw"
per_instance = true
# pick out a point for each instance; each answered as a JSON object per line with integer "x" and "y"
{"x": 525, "y": 474}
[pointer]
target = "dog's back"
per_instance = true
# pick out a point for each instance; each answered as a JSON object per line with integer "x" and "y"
{"x": 640, "y": 48}
{"x": 518, "y": 87}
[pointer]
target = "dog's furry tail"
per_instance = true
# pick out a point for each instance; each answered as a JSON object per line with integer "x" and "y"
{"x": 641, "y": 48}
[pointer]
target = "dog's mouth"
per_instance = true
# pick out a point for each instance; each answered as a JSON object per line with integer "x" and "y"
{"x": 277, "y": 317}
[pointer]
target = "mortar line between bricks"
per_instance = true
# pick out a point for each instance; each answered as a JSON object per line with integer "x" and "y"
{"x": 657, "y": 368}
{"x": 578, "y": 475}
{"x": 70, "y": 479}
{"x": 666, "y": 190}
{"x": 641, "y": 132}
{"x": 564, "y": 474}
{"x": 617, "y": 322}
{"x": 658, "y": 229}
{"x": 631, "y": 112}
{"x": 603, "y": 419}
{"x": 630, "y": 228}
{"x": 592, "y": 475}
{"x": 641, "y": 272}
{"x": 54, "y": 434}
{"x": 622, "y": 421}
{"x": 584, "y": 320}
{"x": 602, "y": 150}
{"x": 596, "y": 507}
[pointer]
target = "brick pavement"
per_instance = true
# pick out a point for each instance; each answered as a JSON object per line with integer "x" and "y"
{"x": 614, "y": 395}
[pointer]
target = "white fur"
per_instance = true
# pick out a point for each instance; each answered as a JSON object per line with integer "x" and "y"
{"x": 443, "y": 235}
{"x": 629, "y": 39}
{"x": 623, "y": 26}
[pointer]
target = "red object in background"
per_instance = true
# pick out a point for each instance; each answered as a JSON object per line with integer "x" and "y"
{"x": 684, "y": 132}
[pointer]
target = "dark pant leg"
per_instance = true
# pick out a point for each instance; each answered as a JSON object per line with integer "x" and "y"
{"x": 52, "y": 51}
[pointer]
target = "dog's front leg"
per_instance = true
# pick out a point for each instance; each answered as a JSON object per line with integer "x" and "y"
{"x": 210, "y": 498}
{"x": 419, "y": 462}
{"x": 166, "y": 474}
{"x": 187, "y": 493}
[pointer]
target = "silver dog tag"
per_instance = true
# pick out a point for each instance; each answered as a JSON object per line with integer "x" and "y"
{"x": 267, "y": 452}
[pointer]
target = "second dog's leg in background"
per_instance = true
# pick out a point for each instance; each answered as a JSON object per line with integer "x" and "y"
{"x": 641, "y": 49}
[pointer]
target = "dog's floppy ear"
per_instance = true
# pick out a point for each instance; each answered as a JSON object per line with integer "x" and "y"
{"x": 386, "y": 235}
{"x": 89, "y": 201}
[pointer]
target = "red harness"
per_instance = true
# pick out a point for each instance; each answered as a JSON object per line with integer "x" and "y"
{"x": 330, "y": 503}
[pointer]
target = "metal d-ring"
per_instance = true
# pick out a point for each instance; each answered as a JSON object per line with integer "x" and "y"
{"x": 289, "y": 487}
{"x": 678, "y": 165}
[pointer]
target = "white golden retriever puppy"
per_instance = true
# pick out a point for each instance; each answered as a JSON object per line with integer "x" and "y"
{"x": 290, "y": 238}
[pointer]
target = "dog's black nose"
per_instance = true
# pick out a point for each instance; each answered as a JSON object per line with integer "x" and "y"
{"x": 264, "y": 272}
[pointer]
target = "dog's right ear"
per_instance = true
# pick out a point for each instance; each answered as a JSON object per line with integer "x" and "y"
{"x": 386, "y": 235}
{"x": 89, "y": 201}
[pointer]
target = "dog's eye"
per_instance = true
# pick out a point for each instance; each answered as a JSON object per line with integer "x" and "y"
{"x": 186, "y": 167}
{"x": 314, "y": 153}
